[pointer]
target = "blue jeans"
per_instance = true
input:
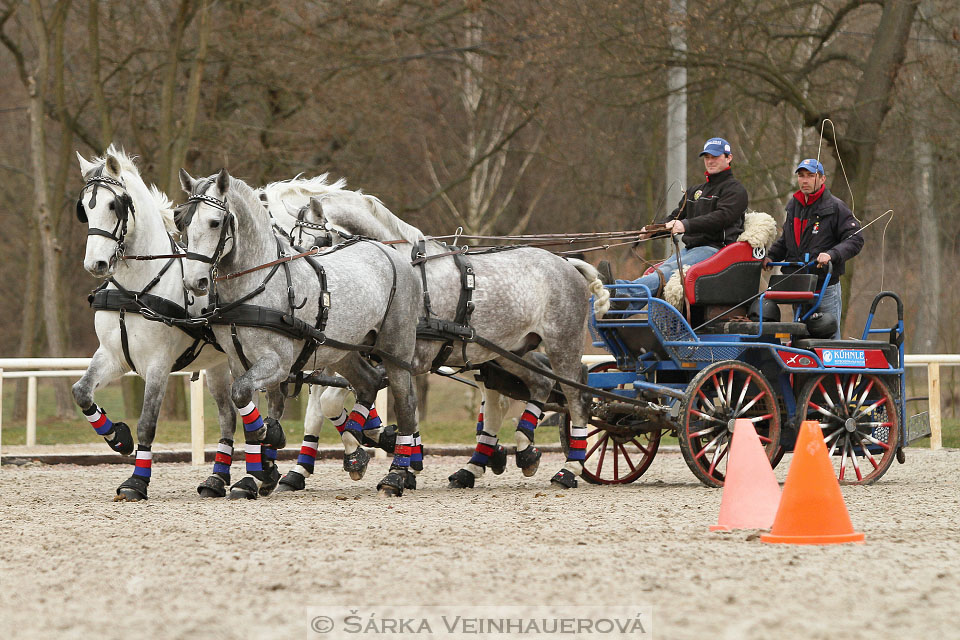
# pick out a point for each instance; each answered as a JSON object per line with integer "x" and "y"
{"x": 669, "y": 267}
{"x": 831, "y": 303}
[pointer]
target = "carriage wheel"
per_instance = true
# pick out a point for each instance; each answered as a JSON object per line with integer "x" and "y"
{"x": 720, "y": 394}
{"x": 617, "y": 452}
{"x": 859, "y": 420}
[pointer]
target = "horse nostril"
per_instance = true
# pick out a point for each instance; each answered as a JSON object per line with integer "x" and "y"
{"x": 100, "y": 266}
{"x": 202, "y": 284}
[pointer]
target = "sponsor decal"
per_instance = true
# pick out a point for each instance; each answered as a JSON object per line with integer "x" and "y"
{"x": 697, "y": 194}
{"x": 759, "y": 253}
{"x": 844, "y": 358}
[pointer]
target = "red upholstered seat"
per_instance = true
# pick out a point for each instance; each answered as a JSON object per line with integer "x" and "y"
{"x": 733, "y": 269}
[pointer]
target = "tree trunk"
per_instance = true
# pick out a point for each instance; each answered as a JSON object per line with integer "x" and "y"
{"x": 927, "y": 330}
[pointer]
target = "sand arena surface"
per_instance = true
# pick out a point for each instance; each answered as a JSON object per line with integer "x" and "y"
{"x": 75, "y": 564}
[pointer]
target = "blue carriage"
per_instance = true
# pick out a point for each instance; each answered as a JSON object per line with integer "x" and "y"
{"x": 700, "y": 370}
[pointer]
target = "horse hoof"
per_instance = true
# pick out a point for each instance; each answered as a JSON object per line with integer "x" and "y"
{"x": 273, "y": 479}
{"x": 246, "y": 489}
{"x": 529, "y": 460}
{"x": 564, "y": 479}
{"x": 462, "y": 479}
{"x": 498, "y": 460}
{"x": 410, "y": 482}
{"x": 122, "y": 441}
{"x": 133, "y": 489}
{"x": 392, "y": 484}
{"x": 356, "y": 463}
{"x": 293, "y": 481}
{"x": 213, "y": 487}
{"x": 275, "y": 437}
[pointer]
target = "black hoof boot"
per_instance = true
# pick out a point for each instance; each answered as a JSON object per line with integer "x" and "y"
{"x": 356, "y": 463}
{"x": 246, "y": 489}
{"x": 564, "y": 478}
{"x": 133, "y": 489}
{"x": 122, "y": 441}
{"x": 529, "y": 460}
{"x": 393, "y": 483}
{"x": 411, "y": 481}
{"x": 271, "y": 481}
{"x": 462, "y": 479}
{"x": 293, "y": 481}
{"x": 387, "y": 440}
{"x": 274, "y": 436}
{"x": 213, "y": 487}
{"x": 498, "y": 460}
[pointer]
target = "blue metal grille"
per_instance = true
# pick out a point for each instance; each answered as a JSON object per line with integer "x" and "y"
{"x": 673, "y": 328}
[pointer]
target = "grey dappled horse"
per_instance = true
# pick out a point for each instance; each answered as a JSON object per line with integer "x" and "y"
{"x": 524, "y": 298}
{"x": 127, "y": 217}
{"x": 373, "y": 295}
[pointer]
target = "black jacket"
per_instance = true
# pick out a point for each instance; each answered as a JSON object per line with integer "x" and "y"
{"x": 712, "y": 212}
{"x": 824, "y": 226}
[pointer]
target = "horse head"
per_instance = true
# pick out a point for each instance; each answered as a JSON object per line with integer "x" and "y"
{"x": 106, "y": 206}
{"x": 209, "y": 227}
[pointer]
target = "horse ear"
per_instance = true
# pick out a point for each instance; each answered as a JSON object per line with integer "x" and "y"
{"x": 316, "y": 207}
{"x": 291, "y": 210}
{"x": 186, "y": 181}
{"x": 223, "y": 181}
{"x": 85, "y": 167}
{"x": 113, "y": 165}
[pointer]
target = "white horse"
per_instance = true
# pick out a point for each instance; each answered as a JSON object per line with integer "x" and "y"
{"x": 522, "y": 298}
{"x": 322, "y": 311}
{"x": 127, "y": 218}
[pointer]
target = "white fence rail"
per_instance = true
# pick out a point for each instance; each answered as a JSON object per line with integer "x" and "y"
{"x": 35, "y": 368}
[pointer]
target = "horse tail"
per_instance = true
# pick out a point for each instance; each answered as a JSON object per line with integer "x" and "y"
{"x": 601, "y": 296}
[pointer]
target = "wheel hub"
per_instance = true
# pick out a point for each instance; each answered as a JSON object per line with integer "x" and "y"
{"x": 730, "y": 424}
{"x": 850, "y": 425}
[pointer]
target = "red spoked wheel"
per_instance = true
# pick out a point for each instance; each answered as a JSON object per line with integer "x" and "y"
{"x": 620, "y": 446}
{"x": 719, "y": 395}
{"x": 860, "y": 422}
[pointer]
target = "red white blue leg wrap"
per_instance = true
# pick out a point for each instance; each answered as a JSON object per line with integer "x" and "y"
{"x": 98, "y": 420}
{"x": 340, "y": 421}
{"x": 578, "y": 444}
{"x": 530, "y": 419}
{"x": 402, "y": 452}
{"x": 373, "y": 420}
{"x": 224, "y": 457}
{"x": 143, "y": 463}
{"x": 416, "y": 456}
{"x": 356, "y": 420}
{"x": 254, "y": 457}
{"x": 308, "y": 453}
{"x": 251, "y": 418}
{"x": 486, "y": 445}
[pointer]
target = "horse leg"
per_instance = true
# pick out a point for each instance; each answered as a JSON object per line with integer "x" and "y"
{"x": 265, "y": 373}
{"x": 365, "y": 381}
{"x": 539, "y": 387}
{"x": 488, "y": 451}
{"x": 294, "y": 480}
{"x": 567, "y": 364}
{"x": 218, "y": 382}
{"x": 103, "y": 369}
{"x": 134, "y": 488}
{"x": 400, "y": 476}
{"x": 274, "y": 440}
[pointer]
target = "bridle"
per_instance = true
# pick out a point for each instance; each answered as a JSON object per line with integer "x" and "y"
{"x": 227, "y": 225}
{"x": 323, "y": 238}
{"x": 123, "y": 204}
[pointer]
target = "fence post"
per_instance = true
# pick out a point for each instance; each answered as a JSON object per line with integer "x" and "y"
{"x": 1, "y": 417}
{"x": 381, "y": 405}
{"x": 31, "y": 411}
{"x": 933, "y": 394}
{"x": 196, "y": 420}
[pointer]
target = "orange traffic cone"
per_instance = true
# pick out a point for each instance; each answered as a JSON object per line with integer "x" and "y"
{"x": 750, "y": 491}
{"x": 812, "y": 510}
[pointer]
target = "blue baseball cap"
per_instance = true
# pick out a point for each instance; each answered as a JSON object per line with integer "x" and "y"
{"x": 716, "y": 147}
{"x": 812, "y": 165}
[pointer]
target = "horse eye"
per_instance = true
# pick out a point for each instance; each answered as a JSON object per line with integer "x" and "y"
{"x": 215, "y": 224}
{"x": 112, "y": 205}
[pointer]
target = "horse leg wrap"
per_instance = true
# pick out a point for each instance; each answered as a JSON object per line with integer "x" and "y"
{"x": 530, "y": 419}
{"x": 529, "y": 460}
{"x": 498, "y": 460}
{"x": 308, "y": 456}
{"x": 462, "y": 479}
{"x": 117, "y": 435}
{"x": 402, "y": 452}
{"x": 486, "y": 448}
{"x": 356, "y": 420}
{"x": 275, "y": 437}
{"x": 340, "y": 421}
{"x": 578, "y": 445}
{"x": 371, "y": 429}
{"x": 252, "y": 423}
{"x": 215, "y": 486}
{"x": 416, "y": 457}
{"x": 356, "y": 462}
{"x": 564, "y": 478}
{"x": 249, "y": 486}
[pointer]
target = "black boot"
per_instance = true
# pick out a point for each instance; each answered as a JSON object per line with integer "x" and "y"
{"x": 605, "y": 272}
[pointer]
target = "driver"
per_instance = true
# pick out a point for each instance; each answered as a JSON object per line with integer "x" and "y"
{"x": 709, "y": 215}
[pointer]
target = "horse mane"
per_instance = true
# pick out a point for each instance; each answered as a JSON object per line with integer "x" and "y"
{"x": 306, "y": 187}
{"x": 240, "y": 195}
{"x": 387, "y": 218}
{"x": 165, "y": 207}
{"x": 127, "y": 161}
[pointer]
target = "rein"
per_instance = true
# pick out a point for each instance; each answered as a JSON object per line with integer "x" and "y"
{"x": 313, "y": 251}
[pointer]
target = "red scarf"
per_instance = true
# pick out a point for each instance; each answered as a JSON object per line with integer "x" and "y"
{"x": 800, "y": 225}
